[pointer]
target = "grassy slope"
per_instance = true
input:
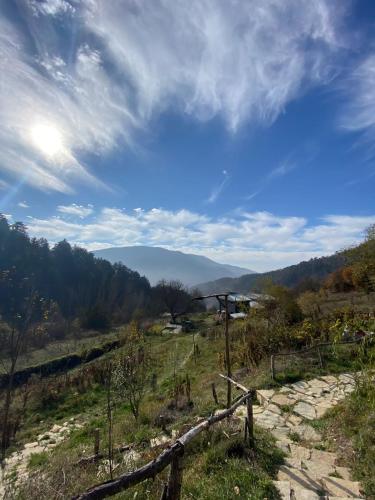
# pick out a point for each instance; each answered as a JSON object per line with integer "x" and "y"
{"x": 62, "y": 347}
{"x": 349, "y": 430}
{"x": 171, "y": 353}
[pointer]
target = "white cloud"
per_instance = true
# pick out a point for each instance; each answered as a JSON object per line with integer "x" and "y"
{"x": 359, "y": 91}
{"x": 23, "y": 204}
{"x": 257, "y": 240}
{"x": 51, "y": 7}
{"x": 129, "y": 61}
{"x": 76, "y": 210}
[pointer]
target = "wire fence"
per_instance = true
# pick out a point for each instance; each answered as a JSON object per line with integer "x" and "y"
{"x": 318, "y": 357}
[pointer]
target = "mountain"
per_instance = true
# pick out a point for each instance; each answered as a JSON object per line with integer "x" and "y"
{"x": 158, "y": 263}
{"x": 313, "y": 270}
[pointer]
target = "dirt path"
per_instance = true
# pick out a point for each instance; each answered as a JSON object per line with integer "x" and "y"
{"x": 308, "y": 473}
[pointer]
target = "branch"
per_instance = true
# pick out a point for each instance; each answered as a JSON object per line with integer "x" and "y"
{"x": 151, "y": 469}
{"x": 239, "y": 386}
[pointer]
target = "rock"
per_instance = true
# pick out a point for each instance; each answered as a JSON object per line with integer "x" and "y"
{"x": 281, "y": 400}
{"x": 264, "y": 395}
{"x": 35, "y": 444}
{"x": 341, "y": 487}
{"x": 274, "y": 409}
{"x": 318, "y": 384}
{"x": 283, "y": 487}
{"x": 300, "y": 452}
{"x": 281, "y": 432}
{"x": 305, "y": 494}
{"x": 158, "y": 441}
{"x": 344, "y": 473}
{"x": 320, "y": 468}
{"x": 56, "y": 428}
{"x": 294, "y": 420}
{"x": 283, "y": 444}
{"x": 330, "y": 379}
{"x": 323, "y": 457}
{"x": 299, "y": 387}
{"x": 305, "y": 410}
{"x": 299, "y": 478}
{"x": 307, "y": 432}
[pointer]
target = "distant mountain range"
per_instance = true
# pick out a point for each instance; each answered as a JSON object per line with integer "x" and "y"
{"x": 159, "y": 263}
{"x": 314, "y": 269}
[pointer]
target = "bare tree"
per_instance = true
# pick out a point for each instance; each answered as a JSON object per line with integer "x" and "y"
{"x": 131, "y": 372}
{"x": 174, "y": 297}
{"x": 14, "y": 343}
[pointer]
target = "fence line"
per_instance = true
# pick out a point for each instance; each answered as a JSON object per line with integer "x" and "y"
{"x": 315, "y": 347}
{"x": 171, "y": 456}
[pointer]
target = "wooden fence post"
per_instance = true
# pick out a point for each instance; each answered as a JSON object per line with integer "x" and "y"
{"x": 250, "y": 422}
{"x": 173, "y": 491}
{"x": 272, "y": 367}
{"x": 227, "y": 354}
{"x": 214, "y": 393}
{"x": 96, "y": 441}
{"x": 320, "y": 357}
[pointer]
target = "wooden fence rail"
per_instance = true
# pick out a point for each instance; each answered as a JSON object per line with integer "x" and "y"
{"x": 170, "y": 456}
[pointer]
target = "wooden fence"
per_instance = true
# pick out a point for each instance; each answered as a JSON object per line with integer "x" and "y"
{"x": 173, "y": 456}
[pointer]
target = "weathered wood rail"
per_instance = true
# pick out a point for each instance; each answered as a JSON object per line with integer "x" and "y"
{"x": 172, "y": 456}
{"x": 317, "y": 348}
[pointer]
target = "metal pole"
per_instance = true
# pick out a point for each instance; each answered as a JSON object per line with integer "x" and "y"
{"x": 227, "y": 354}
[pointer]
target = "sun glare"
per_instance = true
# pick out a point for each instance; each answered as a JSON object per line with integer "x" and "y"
{"x": 48, "y": 139}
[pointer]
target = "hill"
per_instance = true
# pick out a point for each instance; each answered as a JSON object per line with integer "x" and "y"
{"x": 313, "y": 270}
{"x": 159, "y": 263}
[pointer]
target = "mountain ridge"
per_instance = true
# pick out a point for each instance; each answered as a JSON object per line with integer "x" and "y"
{"x": 315, "y": 269}
{"x": 157, "y": 263}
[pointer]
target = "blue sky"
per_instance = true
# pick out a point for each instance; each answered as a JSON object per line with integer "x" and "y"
{"x": 242, "y": 130}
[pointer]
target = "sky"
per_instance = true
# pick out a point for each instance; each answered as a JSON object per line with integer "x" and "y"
{"x": 242, "y": 130}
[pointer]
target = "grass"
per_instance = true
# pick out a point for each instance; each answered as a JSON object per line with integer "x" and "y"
{"x": 215, "y": 468}
{"x": 60, "y": 348}
{"x": 348, "y": 429}
{"x": 38, "y": 459}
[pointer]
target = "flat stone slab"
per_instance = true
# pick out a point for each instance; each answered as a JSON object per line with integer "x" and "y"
{"x": 281, "y": 400}
{"x": 283, "y": 487}
{"x": 264, "y": 395}
{"x": 323, "y": 456}
{"x": 299, "y": 478}
{"x": 300, "y": 452}
{"x": 341, "y": 487}
{"x": 306, "y": 410}
{"x": 307, "y": 432}
{"x": 304, "y": 494}
{"x": 344, "y": 472}
{"x": 319, "y": 468}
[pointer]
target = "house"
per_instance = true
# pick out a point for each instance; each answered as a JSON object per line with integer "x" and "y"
{"x": 239, "y": 304}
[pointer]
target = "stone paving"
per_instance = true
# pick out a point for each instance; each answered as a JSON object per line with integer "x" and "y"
{"x": 308, "y": 473}
{"x": 16, "y": 465}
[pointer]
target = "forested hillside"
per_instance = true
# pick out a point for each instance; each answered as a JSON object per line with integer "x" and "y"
{"x": 65, "y": 283}
{"x": 311, "y": 273}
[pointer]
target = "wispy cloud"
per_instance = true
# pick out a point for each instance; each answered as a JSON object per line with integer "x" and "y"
{"x": 23, "y": 204}
{"x": 218, "y": 189}
{"x": 359, "y": 110}
{"x": 76, "y": 210}
{"x": 131, "y": 61}
{"x": 258, "y": 240}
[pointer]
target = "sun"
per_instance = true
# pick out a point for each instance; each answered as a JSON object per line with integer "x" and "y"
{"x": 48, "y": 139}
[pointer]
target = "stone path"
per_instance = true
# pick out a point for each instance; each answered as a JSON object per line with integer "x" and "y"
{"x": 308, "y": 473}
{"x": 16, "y": 465}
